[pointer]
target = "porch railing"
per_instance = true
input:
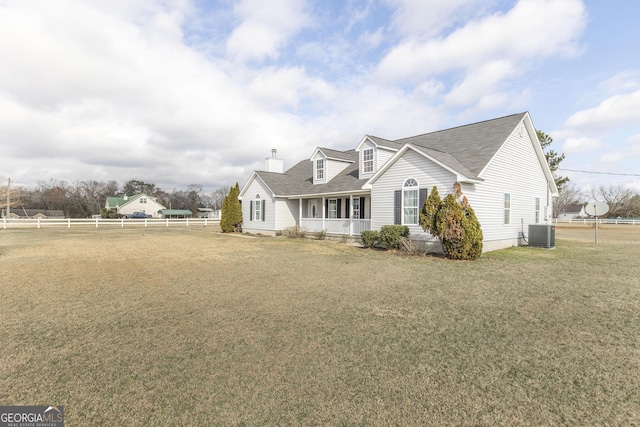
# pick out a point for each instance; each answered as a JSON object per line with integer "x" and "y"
{"x": 352, "y": 227}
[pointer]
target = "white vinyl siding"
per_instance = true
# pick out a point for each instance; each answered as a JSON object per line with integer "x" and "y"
{"x": 515, "y": 169}
{"x": 410, "y": 164}
{"x": 278, "y": 213}
{"x": 380, "y": 156}
{"x": 324, "y": 169}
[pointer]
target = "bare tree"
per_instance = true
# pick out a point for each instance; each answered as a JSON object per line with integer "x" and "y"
{"x": 569, "y": 194}
{"x": 217, "y": 197}
{"x": 621, "y": 200}
{"x": 10, "y": 196}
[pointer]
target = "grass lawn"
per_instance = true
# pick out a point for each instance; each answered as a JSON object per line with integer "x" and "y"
{"x": 169, "y": 327}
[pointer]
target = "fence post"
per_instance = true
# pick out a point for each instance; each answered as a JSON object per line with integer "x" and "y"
{"x": 96, "y": 222}
{"x": 68, "y": 222}
{"x": 4, "y": 220}
{"x": 145, "y": 222}
{"x": 187, "y": 221}
{"x": 122, "y": 222}
{"x": 205, "y": 221}
{"x": 38, "y": 223}
{"x": 167, "y": 222}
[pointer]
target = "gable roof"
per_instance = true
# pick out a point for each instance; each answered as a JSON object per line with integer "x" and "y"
{"x": 380, "y": 142}
{"x": 465, "y": 150}
{"x": 329, "y": 153}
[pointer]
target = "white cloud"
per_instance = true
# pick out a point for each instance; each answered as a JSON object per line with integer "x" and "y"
{"x": 488, "y": 51}
{"x": 265, "y": 27}
{"x": 286, "y": 86}
{"x": 614, "y": 111}
{"x": 514, "y": 36}
{"x": 426, "y": 18}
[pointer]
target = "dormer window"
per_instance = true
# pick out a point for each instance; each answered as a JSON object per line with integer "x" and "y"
{"x": 367, "y": 160}
{"x": 320, "y": 169}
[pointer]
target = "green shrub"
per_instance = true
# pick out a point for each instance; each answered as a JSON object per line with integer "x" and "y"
{"x": 370, "y": 238}
{"x": 109, "y": 214}
{"x": 390, "y": 235}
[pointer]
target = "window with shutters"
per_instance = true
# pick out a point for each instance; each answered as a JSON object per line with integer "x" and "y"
{"x": 356, "y": 208}
{"x": 333, "y": 208}
{"x": 257, "y": 208}
{"x": 410, "y": 202}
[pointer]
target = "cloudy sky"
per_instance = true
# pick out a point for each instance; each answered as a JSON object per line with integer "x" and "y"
{"x": 178, "y": 92}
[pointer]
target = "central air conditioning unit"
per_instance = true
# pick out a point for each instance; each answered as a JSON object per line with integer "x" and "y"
{"x": 542, "y": 235}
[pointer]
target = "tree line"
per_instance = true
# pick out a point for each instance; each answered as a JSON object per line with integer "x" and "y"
{"x": 83, "y": 199}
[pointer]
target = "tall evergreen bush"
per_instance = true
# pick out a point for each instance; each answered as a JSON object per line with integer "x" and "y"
{"x": 231, "y": 220}
{"x": 454, "y": 222}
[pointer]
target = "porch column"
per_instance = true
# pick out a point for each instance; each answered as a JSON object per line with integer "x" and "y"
{"x": 350, "y": 214}
{"x": 300, "y": 212}
{"x": 324, "y": 214}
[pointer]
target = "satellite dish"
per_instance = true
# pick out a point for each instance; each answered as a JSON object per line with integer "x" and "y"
{"x": 596, "y": 208}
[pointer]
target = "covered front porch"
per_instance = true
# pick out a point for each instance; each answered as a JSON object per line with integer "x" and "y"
{"x": 336, "y": 214}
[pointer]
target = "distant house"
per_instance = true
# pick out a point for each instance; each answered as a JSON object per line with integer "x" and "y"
{"x": 22, "y": 213}
{"x": 572, "y": 211}
{"x": 498, "y": 163}
{"x": 208, "y": 213}
{"x": 176, "y": 213}
{"x": 139, "y": 203}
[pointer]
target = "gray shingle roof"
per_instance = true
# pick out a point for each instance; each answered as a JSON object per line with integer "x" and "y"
{"x": 298, "y": 180}
{"x": 466, "y": 149}
{"x": 341, "y": 155}
{"x": 471, "y": 145}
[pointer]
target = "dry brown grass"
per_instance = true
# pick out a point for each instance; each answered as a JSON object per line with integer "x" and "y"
{"x": 191, "y": 327}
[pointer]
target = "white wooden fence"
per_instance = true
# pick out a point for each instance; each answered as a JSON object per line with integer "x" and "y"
{"x": 101, "y": 222}
{"x": 628, "y": 221}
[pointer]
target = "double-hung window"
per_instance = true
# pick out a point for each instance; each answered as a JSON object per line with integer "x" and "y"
{"x": 537, "y": 210}
{"x": 367, "y": 160}
{"x": 356, "y": 208}
{"x": 333, "y": 208}
{"x": 320, "y": 169}
{"x": 410, "y": 202}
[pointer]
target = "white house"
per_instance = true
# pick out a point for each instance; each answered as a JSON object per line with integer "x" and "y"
{"x": 498, "y": 163}
{"x": 139, "y": 203}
